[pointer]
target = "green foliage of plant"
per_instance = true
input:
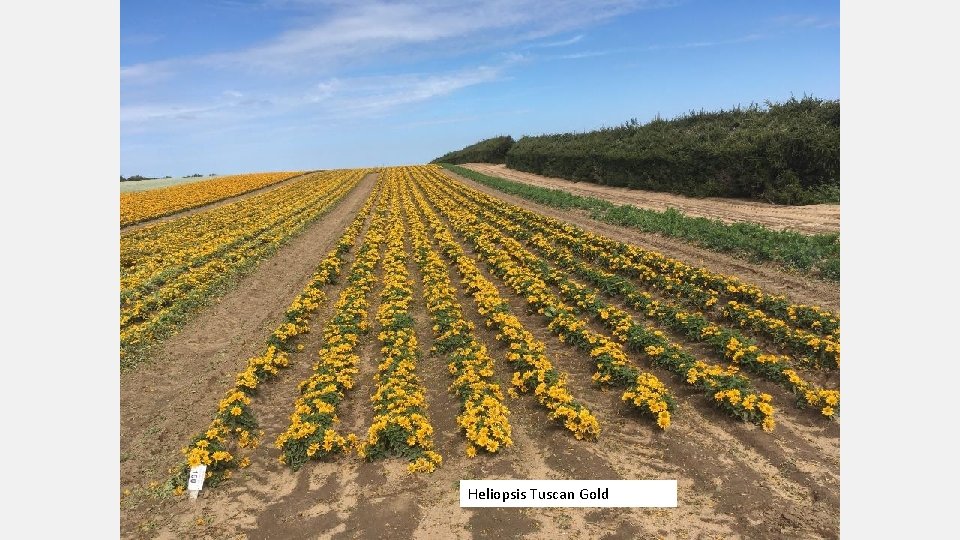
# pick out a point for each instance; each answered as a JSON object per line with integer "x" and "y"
{"x": 817, "y": 254}
{"x": 486, "y": 151}
{"x": 786, "y": 153}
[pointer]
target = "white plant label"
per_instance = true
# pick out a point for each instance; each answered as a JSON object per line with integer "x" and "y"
{"x": 197, "y": 475}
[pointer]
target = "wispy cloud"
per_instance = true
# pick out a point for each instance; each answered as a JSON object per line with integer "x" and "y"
{"x": 377, "y": 95}
{"x": 757, "y": 36}
{"x": 353, "y": 30}
{"x": 334, "y": 98}
{"x": 140, "y": 39}
{"x": 310, "y": 69}
{"x": 659, "y": 47}
{"x": 562, "y": 43}
{"x": 146, "y": 74}
{"x": 592, "y": 54}
{"x": 806, "y": 21}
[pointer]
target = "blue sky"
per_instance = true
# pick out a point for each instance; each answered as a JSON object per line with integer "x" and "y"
{"x": 226, "y": 86}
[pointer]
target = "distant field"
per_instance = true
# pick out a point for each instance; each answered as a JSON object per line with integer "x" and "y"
{"x": 144, "y": 185}
{"x": 167, "y": 269}
{"x": 141, "y": 206}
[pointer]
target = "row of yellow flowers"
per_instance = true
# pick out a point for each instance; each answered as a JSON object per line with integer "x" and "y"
{"x": 725, "y": 385}
{"x": 670, "y": 276}
{"x": 533, "y": 370}
{"x": 143, "y": 205}
{"x": 170, "y": 268}
{"x": 234, "y": 423}
{"x": 643, "y": 390}
{"x": 814, "y": 350}
{"x": 728, "y": 342}
{"x": 311, "y": 433}
{"x": 483, "y": 416}
{"x": 400, "y": 424}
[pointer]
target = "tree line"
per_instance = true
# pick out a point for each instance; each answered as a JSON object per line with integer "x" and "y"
{"x": 787, "y": 153}
{"x": 137, "y": 177}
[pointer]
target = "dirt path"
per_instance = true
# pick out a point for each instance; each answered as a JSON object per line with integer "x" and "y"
{"x": 215, "y": 204}
{"x": 813, "y": 218}
{"x": 774, "y": 280}
{"x": 166, "y": 401}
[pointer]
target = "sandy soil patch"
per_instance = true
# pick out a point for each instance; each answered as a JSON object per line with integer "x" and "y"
{"x": 813, "y": 218}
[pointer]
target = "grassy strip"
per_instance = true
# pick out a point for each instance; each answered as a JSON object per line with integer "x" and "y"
{"x": 817, "y": 255}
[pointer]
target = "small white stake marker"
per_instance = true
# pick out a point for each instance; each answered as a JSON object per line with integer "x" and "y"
{"x": 197, "y": 475}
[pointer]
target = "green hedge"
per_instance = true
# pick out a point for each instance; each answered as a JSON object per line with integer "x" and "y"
{"x": 785, "y": 153}
{"x": 486, "y": 151}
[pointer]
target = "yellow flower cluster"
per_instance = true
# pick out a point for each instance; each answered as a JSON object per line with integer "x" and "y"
{"x": 167, "y": 269}
{"x": 666, "y": 354}
{"x": 750, "y": 403}
{"x": 727, "y": 342}
{"x": 534, "y": 372}
{"x": 234, "y": 420}
{"x": 483, "y": 416}
{"x": 310, "y": 434}
{"x": 815, "y": 318}
{"x": 143, "y": 205}
{"x": 671, "y": 277}
{"x": 610, "y": 360}
{"x": 815, "y": 350}
{"x": 649, "y": 392}
{"x": 730, "y": 343}
{"x": 400, "y": 424}
{"x": 209, "y": 449}
{"x": 827, "y": 400}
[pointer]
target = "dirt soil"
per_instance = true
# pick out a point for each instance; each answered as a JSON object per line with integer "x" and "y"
{"x": 216, "y": 204}
{"x": 813, "y": 218}
{"x": 735, "y": 481}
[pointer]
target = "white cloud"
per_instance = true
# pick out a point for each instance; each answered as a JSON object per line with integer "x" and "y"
{"x": 310, "y": 71}
{"x": 353, "y": 30}
{"x": 700, "y": 44}
{"x": 562, "y": 43}
{"x": 589, "y": 54}
{"x": 334, "y": 98}
{"x": 806, "y": 21}
{"x": 140, "y": 39}
{"x": 380, "y": 94}
{"x": 146, "y": 74}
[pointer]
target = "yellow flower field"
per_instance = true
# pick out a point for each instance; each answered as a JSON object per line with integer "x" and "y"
{"x": 523, "y": 313}
{"x": 144, "y": 205}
